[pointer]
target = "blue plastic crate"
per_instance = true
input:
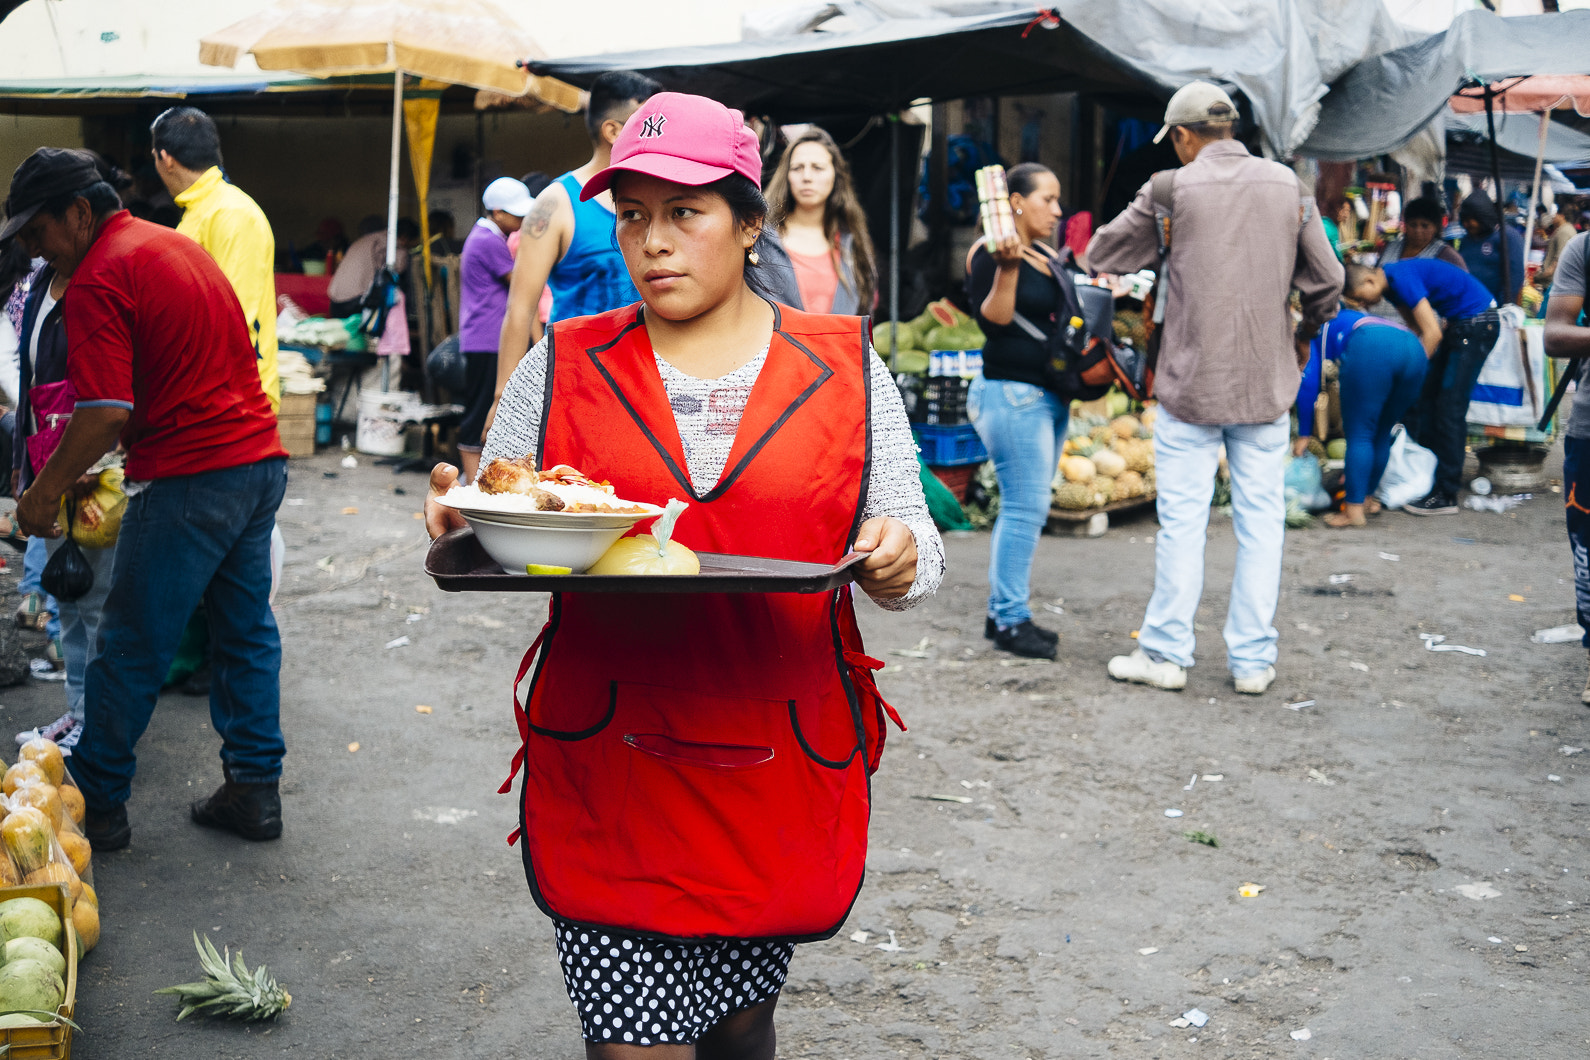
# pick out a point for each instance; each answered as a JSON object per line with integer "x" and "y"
{"x": 950, "y": 446}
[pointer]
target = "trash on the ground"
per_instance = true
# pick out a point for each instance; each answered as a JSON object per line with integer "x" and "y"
{"x": 1250, "y": 890}
{"x": 1301, "y": 1035}
{"x": 1362, "y": 668}
{"x": 1565, "y": 749}
{"x": 413, "y": 619}
{"x": 1172, "y": 813}
{"x": 229, "y": 989}
{"x": 1558, "y": 634}
{"x": 1341, "y": 579}
{"x": 1554, "y": 778}
{"x": 1206, "y": 838}
{"x": 1520, "y": 949}
{"x": 860, "y": 936}
{"x": 1463, "y": 541}
{"x": 1179, "y": 1022}
{"x": 1196, "y": 1016}
{"x": 422, "y": 709}
{"x": 353, "y": 747}
{"x": 970, "y": 784}
{"x": 1436, "y": 642}
{"x": 1210, "y": 778}
{"x": 1389, "y": 556}
{"x": 944, "y": 798}
{"x": 1515, "y": 598}
{"x": 350, "y": 461}
{"x": 1493, "y": 938}
{"x": 1135, "y": 632}
{"x": 1496, "y": 504}
{"x": 1148, "y": 950}
{"x": 1481, "y": 486}
{"x": 1320, "y": 777}
{"x": 1054, "y": 609}
{"x": 1477, "y": 891}
{"x": 326, "y": 563}
{"x": 350, "y": 511}
{"x": 1072, "y": 1020}
{"x": 1191, "y": 782}
{"x": 293, "y": 502}
{"x": 1300, "y": 705}
{"x": 444, "y": 814}
{"x": 891, "y": 946}
{"x": 401, "y": 642}
{"x": 918, "y": 652}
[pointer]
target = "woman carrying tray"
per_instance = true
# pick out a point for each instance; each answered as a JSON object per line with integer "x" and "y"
{"x": 696, "y": 788}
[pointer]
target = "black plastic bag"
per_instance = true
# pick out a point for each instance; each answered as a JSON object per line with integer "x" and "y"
{"x": 446, "y": 366}
{"x": 67, "y": 576}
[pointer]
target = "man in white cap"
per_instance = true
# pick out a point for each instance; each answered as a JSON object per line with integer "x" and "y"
{"x": 484, "y": 274}
{"x": 1243, "y": 236}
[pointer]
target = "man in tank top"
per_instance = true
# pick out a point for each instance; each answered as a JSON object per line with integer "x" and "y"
{"x": 567, "y": 245}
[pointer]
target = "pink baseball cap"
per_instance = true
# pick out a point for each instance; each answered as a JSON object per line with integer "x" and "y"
{"x": 689, "y": 140}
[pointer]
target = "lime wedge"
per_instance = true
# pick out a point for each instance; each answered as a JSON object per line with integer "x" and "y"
{"x": 544, "y": 568}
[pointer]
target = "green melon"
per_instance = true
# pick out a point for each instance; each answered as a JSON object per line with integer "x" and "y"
{"x": 29, "y": 917}
{"x": 34, "y": 949}
{"x": 32, "y": 985}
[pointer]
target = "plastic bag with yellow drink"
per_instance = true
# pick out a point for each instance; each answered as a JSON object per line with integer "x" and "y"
{"x": 97, "y": 520}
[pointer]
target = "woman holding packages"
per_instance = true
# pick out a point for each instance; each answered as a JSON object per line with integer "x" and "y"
{"x": 818, "y": 216}
{"x": 1014, "y": 293}
{"x": 696, "y": 786}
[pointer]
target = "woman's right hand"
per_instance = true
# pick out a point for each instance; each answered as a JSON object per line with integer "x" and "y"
{"x": 439, "y": 518}
{"x": 1007, "y": 254}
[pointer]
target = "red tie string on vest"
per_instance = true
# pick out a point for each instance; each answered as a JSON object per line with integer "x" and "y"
{"x": 522, "y": 719}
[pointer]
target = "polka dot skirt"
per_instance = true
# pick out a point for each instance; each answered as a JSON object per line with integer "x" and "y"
{"x": 640, "y": 990}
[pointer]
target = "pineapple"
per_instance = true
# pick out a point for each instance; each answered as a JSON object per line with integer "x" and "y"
{"x": 230, "y": 992}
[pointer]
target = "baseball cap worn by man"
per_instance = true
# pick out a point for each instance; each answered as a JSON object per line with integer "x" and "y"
{"x": 507, "y": 195}
{"x": 1194, "y": 103}
{"x": 46, "y": 173}
{"x": 690, "y": 140}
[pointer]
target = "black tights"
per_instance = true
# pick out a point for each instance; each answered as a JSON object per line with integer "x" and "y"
{"x": 745, "y": 1035}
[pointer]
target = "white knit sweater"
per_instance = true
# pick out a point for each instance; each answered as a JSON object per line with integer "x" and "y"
{"x": 707, "y": 411}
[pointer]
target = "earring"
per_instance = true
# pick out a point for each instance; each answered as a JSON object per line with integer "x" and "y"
{"x": 1018, "y": 213}
{"x": 752, "y": 258}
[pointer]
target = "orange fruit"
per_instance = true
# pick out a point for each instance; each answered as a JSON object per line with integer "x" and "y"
{"x": 47, "y": 755}
{"x": 90, "y": 895}
{"x": 55, "y": 872}
{"x": 23, "y": 772}
{"x": 8, "y": 873}
{"x": 77, "y": 850}
{"x": 85, "y": 921}
{"x": 72, "y": 799}
{"x": 28, "y": 836}
{"x": 43, "y": 797}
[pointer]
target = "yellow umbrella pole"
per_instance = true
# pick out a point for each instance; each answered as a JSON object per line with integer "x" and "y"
{"x": 392, "y": 201}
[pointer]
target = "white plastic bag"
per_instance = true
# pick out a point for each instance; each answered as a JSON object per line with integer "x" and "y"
{"x": 1512, "y": 387}
{"x": 1410, "y": 471}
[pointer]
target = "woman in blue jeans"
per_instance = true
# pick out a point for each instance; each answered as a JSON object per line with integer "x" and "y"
{"x": 1014, "y": 291}
{"x": 1382, "y": 370}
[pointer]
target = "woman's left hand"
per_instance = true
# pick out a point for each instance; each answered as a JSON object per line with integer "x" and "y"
{"x": 890, "y": 569}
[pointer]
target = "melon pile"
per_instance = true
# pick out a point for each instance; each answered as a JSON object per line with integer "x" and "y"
{"x": 32, "y": 968}
{"x": 1105, "y": 459}
{"x": 41, "y": 838}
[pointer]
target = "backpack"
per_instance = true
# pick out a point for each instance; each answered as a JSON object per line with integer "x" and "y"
{"x": 1081, "y": 360}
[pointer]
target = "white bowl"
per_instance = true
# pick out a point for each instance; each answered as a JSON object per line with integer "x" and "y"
{"x": 499, "y": 509}
{"x": 575, "y": 547}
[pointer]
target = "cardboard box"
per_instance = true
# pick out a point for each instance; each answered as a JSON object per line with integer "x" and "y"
{"x": 295, "y": 420}
{"x": 53, "y": 1041}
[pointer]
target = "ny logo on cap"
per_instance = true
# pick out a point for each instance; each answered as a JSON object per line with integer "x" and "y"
{"x": 652, "y": 127}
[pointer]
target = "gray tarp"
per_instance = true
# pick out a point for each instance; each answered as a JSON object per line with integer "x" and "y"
{"x": 1519, "y": 135}
{"x": 1382, "y": 102}
{"x": 870, "y": 56}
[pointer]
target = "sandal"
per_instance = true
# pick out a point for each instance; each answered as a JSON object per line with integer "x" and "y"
{"x": 13, "y": 534}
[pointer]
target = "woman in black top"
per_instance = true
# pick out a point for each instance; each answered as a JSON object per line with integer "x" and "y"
{"x": 1014, "y": 293}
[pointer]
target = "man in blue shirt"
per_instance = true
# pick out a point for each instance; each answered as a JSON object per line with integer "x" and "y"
{"x": 1481, "y": 248}
{"x": 1426, "y": 290}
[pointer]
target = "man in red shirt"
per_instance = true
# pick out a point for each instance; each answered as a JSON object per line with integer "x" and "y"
{"x": 161, "y": 359}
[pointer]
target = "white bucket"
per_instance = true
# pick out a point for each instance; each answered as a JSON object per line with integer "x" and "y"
{"x": 381, "y": 420}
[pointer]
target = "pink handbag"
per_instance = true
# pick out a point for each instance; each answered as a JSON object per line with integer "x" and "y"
{"x": 51, "y": 405}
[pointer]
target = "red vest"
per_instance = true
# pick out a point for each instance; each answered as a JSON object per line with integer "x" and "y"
{"x": 697, "y": 766}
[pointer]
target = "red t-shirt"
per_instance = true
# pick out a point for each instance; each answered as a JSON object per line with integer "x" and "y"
{"x": 153, "y": 326}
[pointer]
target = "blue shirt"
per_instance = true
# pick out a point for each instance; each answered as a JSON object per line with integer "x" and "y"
{"x": 591, "y": 277}
{"x": 1484, "y": 259}
{"x": 1453, "y": 293}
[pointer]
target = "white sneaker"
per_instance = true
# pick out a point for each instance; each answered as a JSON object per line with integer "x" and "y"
{"x": 1139, "y": 668}
{"x": 1256, "y": 684}
{"x": 55, "y": 730}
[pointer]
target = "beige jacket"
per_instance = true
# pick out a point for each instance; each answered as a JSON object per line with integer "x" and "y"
{"x": 1243, "y": 237}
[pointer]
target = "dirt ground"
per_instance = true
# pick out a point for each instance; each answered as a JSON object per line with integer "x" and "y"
{"x": 1060, "y": 912}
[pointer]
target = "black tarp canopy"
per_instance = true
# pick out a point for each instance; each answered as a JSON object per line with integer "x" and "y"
{"x": 883, "y": 67}
{"x": 1384, "y": 101}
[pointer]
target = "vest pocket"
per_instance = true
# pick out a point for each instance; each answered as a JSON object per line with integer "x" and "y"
{"x": 560, "y": 732}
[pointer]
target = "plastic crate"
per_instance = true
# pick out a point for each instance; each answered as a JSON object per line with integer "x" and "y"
{"x": 52, "y": 1041}
{"x": 950, "y": 446}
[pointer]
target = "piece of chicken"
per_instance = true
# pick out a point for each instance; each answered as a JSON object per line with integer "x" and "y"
{"x": 518, "y": 477}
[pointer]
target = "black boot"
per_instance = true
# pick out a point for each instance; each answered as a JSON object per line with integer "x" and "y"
{"x": 107, "y": 829}
{"x": 991, "y": 631}
{"x": 1028, "y": 640}
{"x": 253, "y": 811}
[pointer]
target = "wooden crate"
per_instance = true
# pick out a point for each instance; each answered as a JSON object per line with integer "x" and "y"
{"x": 296, "y": 423}
{"x": 1092, "y": 522}
{"x": 53, "y": 1041}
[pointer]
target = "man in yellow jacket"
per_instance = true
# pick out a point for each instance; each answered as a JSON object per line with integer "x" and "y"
{"x": 223, "y": 220}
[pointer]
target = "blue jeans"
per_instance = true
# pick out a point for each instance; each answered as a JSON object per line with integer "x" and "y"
{"x": 1023, "y": 427}
{"x": 184, "y": 539}
{"x": 1439, "y": 421}
{"x": 1380, "y": 380}
{"x": 1576, "y": 475}
{"x": 80, "y": 619}
{"x": 1186, "y": 456}
{"x": 33, "y": 561}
